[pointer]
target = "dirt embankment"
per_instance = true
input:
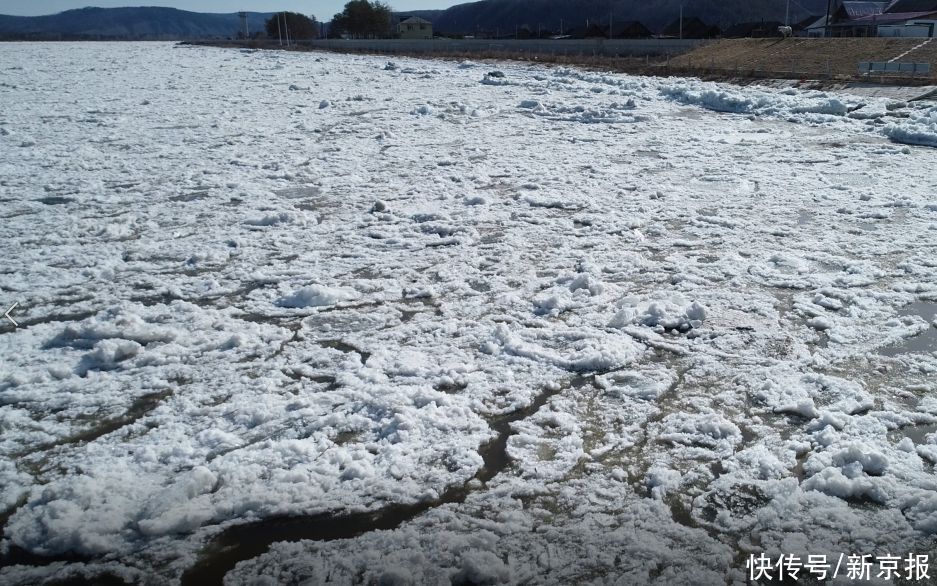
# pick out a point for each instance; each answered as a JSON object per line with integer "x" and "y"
{"x": 830, "y": 61}
{"x": 807, "y": 58}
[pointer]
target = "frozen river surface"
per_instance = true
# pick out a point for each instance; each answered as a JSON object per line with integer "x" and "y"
{"x": 341, "y": 319}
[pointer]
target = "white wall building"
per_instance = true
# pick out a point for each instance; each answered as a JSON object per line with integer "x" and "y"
{"x": 912, "y": 28}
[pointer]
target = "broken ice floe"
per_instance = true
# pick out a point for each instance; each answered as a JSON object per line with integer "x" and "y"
{"x": 614, "y": 113}
{"x": 919, "y": 128}
{"x": 663, "y": 315}
{"x": 317, "y": 296}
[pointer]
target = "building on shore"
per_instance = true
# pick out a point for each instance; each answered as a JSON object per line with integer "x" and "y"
{"x": 818, "y": 27}
{"x": 855, "y": 18}
{"x": 415, "y": 27}
{"x": 895, "y": 18}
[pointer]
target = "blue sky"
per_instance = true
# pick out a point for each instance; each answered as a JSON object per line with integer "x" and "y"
{"x": 322, "y": 9}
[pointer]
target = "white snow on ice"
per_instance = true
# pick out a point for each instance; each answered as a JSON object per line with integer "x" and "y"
{"x": 255, "y": 284}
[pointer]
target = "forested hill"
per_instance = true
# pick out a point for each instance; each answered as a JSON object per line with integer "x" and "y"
{"x": 430, "y": 15}
{"x": 152, "y": 23}
{"x": 144, "y": 23}
{"x": 505, "y": 14}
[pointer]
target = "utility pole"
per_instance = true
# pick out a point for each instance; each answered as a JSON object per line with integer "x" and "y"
{"x": 279, "y": 30}
{"x": 245, "y": 33}
{"x": 787, "y": 14}
{"x": 826, "y": 25}
{"x": 681, "y": 21}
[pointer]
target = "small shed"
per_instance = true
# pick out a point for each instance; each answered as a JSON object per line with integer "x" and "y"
{"x": 801, "y": 28}
{"x": 817, "y": 28}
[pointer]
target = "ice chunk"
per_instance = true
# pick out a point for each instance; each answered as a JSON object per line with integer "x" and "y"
{"x": 107, "y": 353}
{"x": 117, "y": 323}
{"x": 709, "y": 431}
{"x": 548, "y": 304}
{"x": 13, "y": 484}
{"x": 804, "y": 407}
{"x": 180, "y": 507}
{"x": 482, "y": 567}
{"x": 660, "y": 479}
{"x": 830, "y": 106}
{"x": 396, "y": 577}
{"x": 82, "y": 513}
{"x": 919, "y": 129}
{"x": 495, "y": 78}
{"x": 833, "y": 482}
{"x": 272, "y": 219}
{"x": 317, "y": 296}
{"x": 820, "y": 323}
{"x": 217, "y": 439}
{"x": 696, "y": 312}
{"x": 712, "y": 99}
{"x": 828, "y": 302}
{"x": 587, "y": 282}
{"x": 661, "y": 314}
{"x": 587, "y": 354}
{"x": 793, "y": 104}
{"x": 856, "y": 459}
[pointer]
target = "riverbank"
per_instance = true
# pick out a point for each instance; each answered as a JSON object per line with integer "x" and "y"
{"x": 824, "y": 64}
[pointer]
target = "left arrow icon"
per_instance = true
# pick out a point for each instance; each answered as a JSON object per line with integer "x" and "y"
{"x": 7, "y": 314}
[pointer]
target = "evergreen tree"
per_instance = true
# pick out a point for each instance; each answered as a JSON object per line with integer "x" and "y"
{"x": 363, "y": 18}
{"x": 300, "y": 26}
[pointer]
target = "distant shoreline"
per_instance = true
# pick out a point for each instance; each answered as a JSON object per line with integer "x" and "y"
{"x": 707, "y": 60}
{"x": 97, "y": 39}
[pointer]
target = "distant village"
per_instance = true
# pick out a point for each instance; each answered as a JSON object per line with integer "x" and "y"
{"x": 374, "y": 19}
{"x": 860, "y": 18}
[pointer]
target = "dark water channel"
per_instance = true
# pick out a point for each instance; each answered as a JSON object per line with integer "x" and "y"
{"x": 925, "y": 341}
{"x": 247, "y": 541}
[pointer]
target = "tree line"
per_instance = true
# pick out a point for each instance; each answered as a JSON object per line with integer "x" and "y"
{"x": 360, "y": 18}
{"x": 292, "y": 25}
{"x": 363, "y": 18}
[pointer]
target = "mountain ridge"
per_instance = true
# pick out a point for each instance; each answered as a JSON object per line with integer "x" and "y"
{"x": 159, "y": 23}
{"x": 487, "y": 15}
{"x": 134, "y": 23}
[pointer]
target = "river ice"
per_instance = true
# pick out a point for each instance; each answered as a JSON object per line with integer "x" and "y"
{"x": 256, "y": 285}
